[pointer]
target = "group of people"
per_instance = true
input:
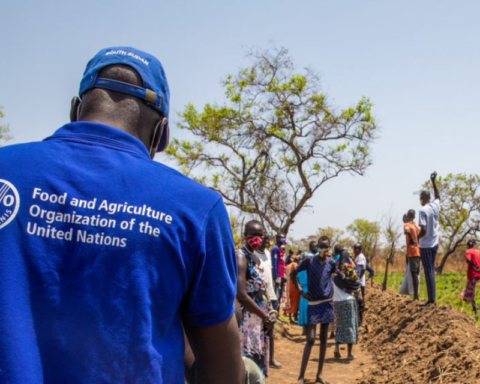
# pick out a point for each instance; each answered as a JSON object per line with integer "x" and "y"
{"x": 422, "y": 240}
{"x": 324, "y": 287}
{"x": 158, "y": 298}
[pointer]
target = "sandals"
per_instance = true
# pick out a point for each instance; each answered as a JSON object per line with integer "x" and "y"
{"x": 321, "y": 381}
{"x": 337, "y": 355}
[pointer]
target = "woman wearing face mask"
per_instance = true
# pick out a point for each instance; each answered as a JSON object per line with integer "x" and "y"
{"x": 320, "y": 269}
{"x": 258, "y": 316}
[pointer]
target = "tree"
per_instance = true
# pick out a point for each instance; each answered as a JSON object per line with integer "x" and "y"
{"x": 337, "y": 236}
{"x": 459, "y": 214}
{"x": 237, "y": 228}
{"x": 4, "y": 129}
{"x": 274, "y": 141}
{"x": 392, "y": 234}
{"x": 367, "y": 233}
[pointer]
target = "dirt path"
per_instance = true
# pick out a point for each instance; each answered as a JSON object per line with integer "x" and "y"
{"x": 289, "y": 350}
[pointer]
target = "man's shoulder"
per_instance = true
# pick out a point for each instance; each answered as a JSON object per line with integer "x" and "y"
{"x": 23, "y": 149}
{"x": 182, "y": 183}
{"x": 361, "y": 258}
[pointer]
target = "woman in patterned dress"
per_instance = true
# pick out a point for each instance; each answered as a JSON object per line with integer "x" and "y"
{"x": 320, "y": 269}
{"x": 258, "y": 317}
{"x": 346, "y": 296}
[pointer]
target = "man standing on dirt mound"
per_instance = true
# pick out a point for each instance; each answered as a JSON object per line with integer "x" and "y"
{"x": 107, "y": 256}
{"x": 428, "y": 236}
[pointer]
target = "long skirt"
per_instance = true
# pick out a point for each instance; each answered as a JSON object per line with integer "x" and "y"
{"x": 254, "y": 340}
{"x": 346, "y": 316}
{"x": 469, "y": 294}
{"x": 294, "y": 299}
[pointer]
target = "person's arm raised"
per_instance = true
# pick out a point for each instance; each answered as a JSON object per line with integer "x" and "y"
{"x": 217, "y": 353}
{"x": 433, "y": 177}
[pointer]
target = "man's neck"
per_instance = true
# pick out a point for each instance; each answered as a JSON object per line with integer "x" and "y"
{"x": 115, "y": 123}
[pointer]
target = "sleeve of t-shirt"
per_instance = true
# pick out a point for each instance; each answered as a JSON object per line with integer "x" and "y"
{"x": 422, "y": 218}
{"x": 468, "y": 255}
{"x": 436, "y": 204}
{"x": 211, "y": 296}
{"x": 302, "y": 266}
{"x": 362, "y": 261}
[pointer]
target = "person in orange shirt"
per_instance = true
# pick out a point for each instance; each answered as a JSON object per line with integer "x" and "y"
{"x": 412, "y": 229}
{"x": 293, "y": 294}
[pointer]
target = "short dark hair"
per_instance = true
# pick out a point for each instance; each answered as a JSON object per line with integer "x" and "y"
{"x": 425, "y": 195}
{"x": 338, "y": 249}
{"x": 358, "y": 246}
{"x": 324, "y": 242}
{"x": 250, "y": 225}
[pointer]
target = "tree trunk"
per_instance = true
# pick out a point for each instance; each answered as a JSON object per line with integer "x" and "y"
{"x": 385, "y": 278}
{"x": 445, "y": 257}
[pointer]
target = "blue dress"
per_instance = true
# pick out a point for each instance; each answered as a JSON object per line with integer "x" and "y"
{"x": 320, "y": 287}
{"x": 303, "y": 315}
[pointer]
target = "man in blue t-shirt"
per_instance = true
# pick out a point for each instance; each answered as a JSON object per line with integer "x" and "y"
{"x": 106, "y": 256}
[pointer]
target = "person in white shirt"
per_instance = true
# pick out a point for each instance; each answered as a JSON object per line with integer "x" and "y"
{"x": 265, "y": 258}
{"x": 428, "y": 236}
{"x": 361, "y": 266}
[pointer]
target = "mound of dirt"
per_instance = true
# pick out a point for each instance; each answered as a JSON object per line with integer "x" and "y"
{"x": 415, "y": 344}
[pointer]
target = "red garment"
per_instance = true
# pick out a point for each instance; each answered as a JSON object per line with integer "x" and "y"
{"x": 473, "y": 255}
{"x": 281, "y": 265}
{"x": 293, "y": 293}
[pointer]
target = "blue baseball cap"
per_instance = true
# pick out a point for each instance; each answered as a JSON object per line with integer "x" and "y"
{"x": 155, "y": 91}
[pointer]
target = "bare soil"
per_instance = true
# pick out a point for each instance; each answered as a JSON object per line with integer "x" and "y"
{"x": 289, "y": 349}
{"x": 415, "y": 344}
{"x": 401, "y": 342}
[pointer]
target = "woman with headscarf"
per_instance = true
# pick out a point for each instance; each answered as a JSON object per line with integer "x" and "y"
{"x": 345, "y": 298}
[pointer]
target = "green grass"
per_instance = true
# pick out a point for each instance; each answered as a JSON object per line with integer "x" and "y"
{"x": 449, "y": 287}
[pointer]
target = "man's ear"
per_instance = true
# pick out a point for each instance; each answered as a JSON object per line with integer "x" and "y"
{"x": 157, "y": 136}
{"x": 75, "y": 107}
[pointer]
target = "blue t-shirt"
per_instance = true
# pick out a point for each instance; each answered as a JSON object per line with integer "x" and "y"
{"x": 104, "y": 253}
{"x": 319, "y": 277}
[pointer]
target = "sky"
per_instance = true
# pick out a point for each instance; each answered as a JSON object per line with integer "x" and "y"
{"x": 418, "y": 61}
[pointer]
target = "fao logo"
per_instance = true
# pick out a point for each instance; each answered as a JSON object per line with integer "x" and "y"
{"x": 9, "y": 202}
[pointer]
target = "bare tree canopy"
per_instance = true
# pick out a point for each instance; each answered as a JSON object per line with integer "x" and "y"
{"x": 275, "y": 141}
